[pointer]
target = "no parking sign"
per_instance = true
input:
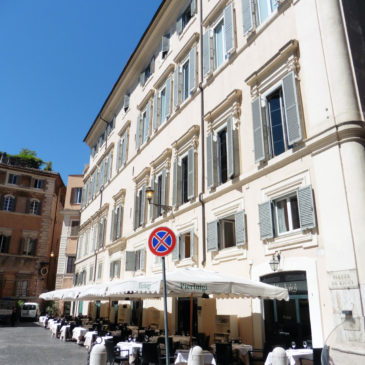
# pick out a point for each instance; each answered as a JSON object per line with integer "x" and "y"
{"x": 162, "y": 241}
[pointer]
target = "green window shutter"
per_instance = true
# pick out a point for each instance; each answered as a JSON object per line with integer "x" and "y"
{"x": 152, "y": 207}
{"x": 212, "y": 236}
{"x": 112, "y": 236}
{"x": 176, "y": 250}
{"x": 230, "y": 149}
{"x": 240, "y": 228}
{"x": 210, "y": 162}
{"x": 165, "y": 43}
{"x": 179, "y": 25}
{"x": 174, "y": 186}
{"x": 143, "y": 205}
{"x": 306, "y": 208}
{"x": 126, "y": 102}
{"x": 155, "y": 111}
{"x": 163, "y": 187}
{"x": 247, "y": 16}
{"x": 168, "y": 97}
{"x": 192, "y": 243}
{"x": 258, "y": 130}
{"x": 130, "y": 261}
{"x": 266, "y": 220}
{"x": 176, "y": 87}
{"x": 148, "y": 119}
{"x": 143, "y": 259}
{"x": 135, "y": 215}
{"x": 228, "y": 28}
{"x": 292, "y": 109}
{"x": 117, "y": 160}
{"x": 191, "y": 174}
{"x": 192, "y": 69}
{"x": 137, "y": 131}
{"x": 206, "y": 53}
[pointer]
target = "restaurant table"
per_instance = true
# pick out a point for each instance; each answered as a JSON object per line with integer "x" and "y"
{"x": 54, "y": 328}
{"x": 293, "y": 356}
{"x": 182, "y": 357}
{"x": 88, "y": 338}
{"x": 63, "y": 332}
{"x": 240, "y": 349}
{"x": 50, "y": 323}
{"x": 184, "y": 340}
{"x": 78, "y": 333}
{"x": 132, "y": 347}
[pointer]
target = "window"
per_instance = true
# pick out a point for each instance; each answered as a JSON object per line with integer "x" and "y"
{"x": 75, "y": 226}
{"x": 139, "y": 207}
{"x": 276, "y": 123}
{"x": 115, "y": 269}
{"x": 13, "y": 179}
{"x": 185, "y": 17}
{"x": 184, "y": 180}
{"x": 165, "y": 46}
{"x": 100, "y": 270}
{"x": 28, "y": 246}
{"x": 122, "y": 151}
{"x": 86, "y": 242}
{"x": 91, "y": 273}
{"x": 21, "y": 288}
{"x": 287, "y": 214}
{"x": 143, "y": 126}
{"x": 184, "y": 247}
{"x": 218, "y": 41}
{"x": 162, "y": 104}
{"x": 116, "y": 226}
{"x": 101, "y": 232}
{"x": 135, "y": 260}
{"x": 79, "y": 246}
{"x": 9, "y": 203}
{"x": 159, "y": 184}
{"x": 70, "y": 269}
{"x": 38, "y": 183}
{"x": 147, "y": 72}
{"x": 226, "y": 232}
{"x": 221, "y": 155}
{"x": 76, "y": 195}
{"x": 4, "y": 243}
{"x": 185, "y": 78}
{"x": 35, "y": 207}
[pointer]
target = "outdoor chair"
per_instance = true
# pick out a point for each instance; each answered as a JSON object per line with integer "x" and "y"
{"x": 223, "y": 352}
{"x": 257, "y": 356}
{"x": 149, "y": 353}
{"x": 120, "y": 356}
{"x": 203, "y": 340}
{"x": 162, "y": 355}
{"x": 110, "y": 355}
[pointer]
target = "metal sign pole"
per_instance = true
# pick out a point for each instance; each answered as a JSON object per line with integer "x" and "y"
{"x": 165, "y": 312}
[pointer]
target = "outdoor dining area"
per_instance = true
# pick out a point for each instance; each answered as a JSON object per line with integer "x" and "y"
{"x": 129, "y": 344}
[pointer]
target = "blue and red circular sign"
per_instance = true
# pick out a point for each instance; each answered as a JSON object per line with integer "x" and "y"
{"x": 162, "y": 241}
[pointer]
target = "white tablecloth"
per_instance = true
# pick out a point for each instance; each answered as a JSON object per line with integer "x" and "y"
{"x": 293, "y": 356}
{"x": 77, "y": 333}
{"x": 53, "y": 327}
{"x": 183, "y": 356}
{"x": 50, "y": 323}
{"x": 42, "y": 320}
{"x": 63, "y": 332}
{"x": 132, "y": 347}
{"x": 88, "y": 337}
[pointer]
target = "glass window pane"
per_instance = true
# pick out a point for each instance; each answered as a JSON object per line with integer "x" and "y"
{"x": 163, "y": 105}
{"x": 282, "y": 216}
{"x": 275, "y": 116}
{"x": 263, "y": 9}
{"x": 218, "y": 45}
{"x": 294, "y": 212}
{"x": 222, "y": 140}
{"x": 185, "y": 80}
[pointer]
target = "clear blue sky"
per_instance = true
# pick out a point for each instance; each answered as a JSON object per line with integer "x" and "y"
{"x": 59, "y": 59}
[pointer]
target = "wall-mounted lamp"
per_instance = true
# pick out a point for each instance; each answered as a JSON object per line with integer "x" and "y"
{"x": 52, "y": 253}
{"x": 149, "y": 195}
{"x": 275, "y": 261}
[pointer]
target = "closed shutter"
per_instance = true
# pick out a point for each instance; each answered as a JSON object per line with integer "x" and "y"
{"x": 135, "y": 219}
{"x": 124, "y": 149}
{"x": 176, "y": 250}
{"x": 163, "y": 188}
{"x": 292, "y": 109}
{"x": 191, "y": 174}
{"x": 182, "y": 247}
{"x": 152, "y": 207}
{"x": 117, "y": 224}
{"x": 148, "y": 120}
{"x": 193, "y": 7}
{"x": 258, "y": 130}
{"x": 228, "y": 29}
{"x": 176, "y": 87}
{"x": 39, "y": 212}
{"x": 168, "y": 97}
{"x": 130, "y": 261}
{"x": 212, "y": 236}
{"x": 210, "y": 161}
{"x": 152, "y": 65}
{"x": 246, "y": 16}
{"x": 266, "y": 222}
{"x": 111, "y": 270}
{"x": 109, "y": 167}
{"x": 137, "y": 131}
{"x": 112, "y": 228}
{"x": 192, "y": 243}
{"x": 142, "y": 78}
{"x": 143, "y": 259}
{"x": 206, "y": 53}
{"x": 143, "y": 204}
{"x": 126, "y": 102}
{"x": 155, "y": 111}
{"x": 230, "y": 149}
{"x": 179, "y": 25}
{"x": 240, "y": 228}
{"x": 174, "y": 186}
{"x": 120, "y": 224}
{"x": 306, "y": 208}
{"x": 192, "y": 69}
{"x": 118, "y": 159}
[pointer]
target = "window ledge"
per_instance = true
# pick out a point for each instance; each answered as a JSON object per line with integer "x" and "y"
{"x": 187, "y": 262}
{"x": 229, "y": 254}
{"x": 301, "y": 239}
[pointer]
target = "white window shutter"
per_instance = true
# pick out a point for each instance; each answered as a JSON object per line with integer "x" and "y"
{"x": 191, "y": 174}
{"x": 206, "y": 53}
{"x": 174, "y": 186}
{"x": 176, "y": 250}
{"x": 143, "y": 204}
{"x": 112, "y": 228}
{"x": 148, "y": 120}
{"x": 258, "y": 130}
{"x": 266, "y": 220}
{"x": 192, "y": 242}
{"x": 247, "y": 16}
{"x": 130, "y": 261}
{"x": 117, "y": 160}
{"x": 179, "y": 25}
{"x": 230, "y": 149}
{"x": 210, "y": 161}
{"x": 306, "y": 208}
{"x": 176, "y": 87}
{"x": 137, "y": 131}
{"x": 168, "y": 97}
{"x": 228, "y": 29}
{"x": 155, "y": 111}
{"x": 143, "y": 259}
{"x": 163, "y": 188}
{"x": 240, "y": 228}
{"x": 135, "y": 215}
{"x": 192, "y": 69}
{"x": 212, "y": 236}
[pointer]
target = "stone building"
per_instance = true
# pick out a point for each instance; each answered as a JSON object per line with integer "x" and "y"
{"x": 30, "y": 227}
{"x": 246, "y": 117}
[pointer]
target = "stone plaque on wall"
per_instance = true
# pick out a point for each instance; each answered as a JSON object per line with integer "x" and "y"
{"x": 345, "y": 279}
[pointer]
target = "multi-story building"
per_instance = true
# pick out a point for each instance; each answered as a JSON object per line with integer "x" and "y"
{"x": 30, "y": 227}
{"x": 69, "y": 234}
{"x": 247, "y": 118}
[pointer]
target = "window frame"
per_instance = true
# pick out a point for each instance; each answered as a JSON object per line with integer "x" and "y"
{"x": 38, "y": 183}
{"x": 70, "y": 264}
{"x": 14, "y": 179}
{"x": 4, "y": 243}
{"x": 9, "y": 202}
{"x": 35, "y": 207}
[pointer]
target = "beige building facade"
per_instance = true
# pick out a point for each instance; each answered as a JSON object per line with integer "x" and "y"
{"x": 246, "y": 117}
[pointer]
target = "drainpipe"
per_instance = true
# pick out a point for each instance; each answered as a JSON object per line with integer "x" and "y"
{"x": 202, "y": 136}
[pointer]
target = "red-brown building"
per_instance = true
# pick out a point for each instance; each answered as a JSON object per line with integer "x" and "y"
{"x": 30, "y": 227}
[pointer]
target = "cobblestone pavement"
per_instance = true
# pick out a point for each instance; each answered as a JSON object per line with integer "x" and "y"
{"x": 29, "y": 344}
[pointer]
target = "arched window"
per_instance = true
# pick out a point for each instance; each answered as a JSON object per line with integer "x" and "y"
{"x": 9, "y": 203}
{"x": 35, "y": 207}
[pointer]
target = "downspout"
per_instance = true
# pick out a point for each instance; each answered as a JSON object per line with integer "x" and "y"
{"x": 202, "y": 136}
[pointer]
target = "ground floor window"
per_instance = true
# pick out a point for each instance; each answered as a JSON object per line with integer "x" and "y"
{"x": 287, "y": 324}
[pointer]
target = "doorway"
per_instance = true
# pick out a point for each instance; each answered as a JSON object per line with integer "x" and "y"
{"x": 183, "y": 316}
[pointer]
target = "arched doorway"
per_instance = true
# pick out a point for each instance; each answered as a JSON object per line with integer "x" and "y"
{"x": 288, "y": 322}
